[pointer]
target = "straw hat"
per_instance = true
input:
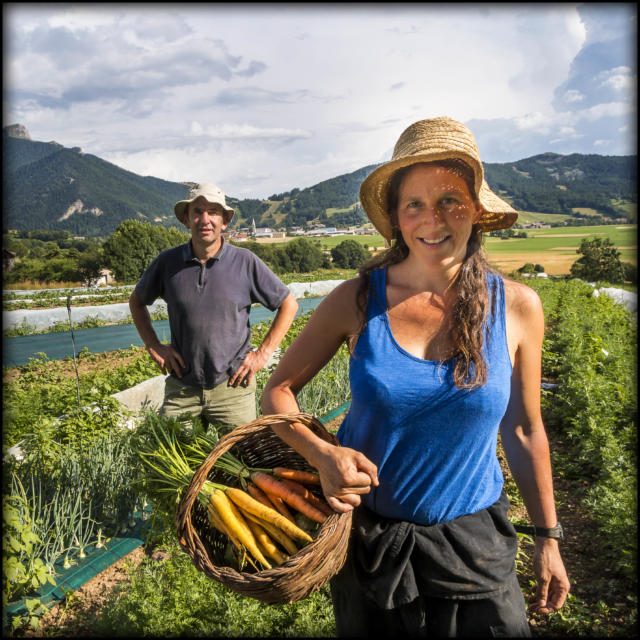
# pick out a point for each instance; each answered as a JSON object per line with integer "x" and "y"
{"x": 210, "y": 193}
{"x": 426, "y": 141}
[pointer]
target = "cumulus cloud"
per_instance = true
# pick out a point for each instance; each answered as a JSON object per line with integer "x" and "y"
{"x": 247, "y": 131}
{"x": 573, "y": 95}
{"x": 617, "y": 79}
{"x": 283, "y": 96}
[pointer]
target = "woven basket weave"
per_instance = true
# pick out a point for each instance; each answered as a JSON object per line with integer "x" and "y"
{"x": 304, "y": 572}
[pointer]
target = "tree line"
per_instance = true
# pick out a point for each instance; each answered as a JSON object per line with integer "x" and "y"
{"x": 56, "y": 256}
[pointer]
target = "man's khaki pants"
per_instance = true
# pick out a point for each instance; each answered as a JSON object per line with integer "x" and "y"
{"x": 223, "y": 405}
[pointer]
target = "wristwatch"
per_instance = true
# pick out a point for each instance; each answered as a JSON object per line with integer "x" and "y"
{"x": 543, "y": 532}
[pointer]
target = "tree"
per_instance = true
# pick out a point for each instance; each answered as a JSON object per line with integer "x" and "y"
{"x": 129, "y": 250}
{"x": 349, "y": 254}
{"x": 303, "y": 255}
{"x": 90, "y": 264}
{"x": 630, "y": 272}
{"x": 600, "y": 261}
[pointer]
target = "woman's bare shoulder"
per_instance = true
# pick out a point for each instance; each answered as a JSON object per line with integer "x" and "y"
{"x": 522, "y": 300}
{"x": 340, "y": 306}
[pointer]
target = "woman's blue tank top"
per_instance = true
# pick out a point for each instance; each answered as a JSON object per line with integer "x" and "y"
{"x": 434, "y": 444}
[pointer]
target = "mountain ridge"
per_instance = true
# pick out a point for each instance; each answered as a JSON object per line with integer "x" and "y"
{"x": 63, "y": 188}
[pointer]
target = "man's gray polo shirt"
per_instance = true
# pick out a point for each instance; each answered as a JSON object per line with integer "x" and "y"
{"x": 209, "y": 304}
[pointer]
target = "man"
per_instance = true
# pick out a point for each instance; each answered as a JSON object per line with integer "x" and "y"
{"x": 209, "y": 287}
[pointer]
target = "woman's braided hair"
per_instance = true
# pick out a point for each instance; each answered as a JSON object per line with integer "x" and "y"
{"x": 472, "y": 305}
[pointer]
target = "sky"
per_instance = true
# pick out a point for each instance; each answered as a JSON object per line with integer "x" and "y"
{"x": 260, "y": 99}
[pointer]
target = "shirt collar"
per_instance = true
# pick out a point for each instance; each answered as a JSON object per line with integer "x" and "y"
{"x": 188, "y": 255}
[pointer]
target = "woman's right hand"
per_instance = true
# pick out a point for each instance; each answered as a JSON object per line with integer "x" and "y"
{"x": 345, "y": 475}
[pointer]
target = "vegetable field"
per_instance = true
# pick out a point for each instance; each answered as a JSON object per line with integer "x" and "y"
{"x": 82, "y": 480}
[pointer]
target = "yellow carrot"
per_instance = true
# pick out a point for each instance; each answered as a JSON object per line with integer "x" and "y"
{"x": 276, "y": 534}
{"x": 249, "y": 504}
{"x": 265, "y": 543}
{"x": 236, "y": 524}
{"x": 216, "y": 521}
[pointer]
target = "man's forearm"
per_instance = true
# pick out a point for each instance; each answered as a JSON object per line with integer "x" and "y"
{"x": 279, "y": 327}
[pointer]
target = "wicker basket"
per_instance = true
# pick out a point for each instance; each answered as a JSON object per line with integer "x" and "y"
{"x": 304, "y": 572}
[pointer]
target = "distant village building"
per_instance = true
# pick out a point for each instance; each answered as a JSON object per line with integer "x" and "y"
{"x": 105, "y": 277}
{"x": 323, "y": 231}
{"x": 262, "y": 232}
{"x": 8, "y": 258}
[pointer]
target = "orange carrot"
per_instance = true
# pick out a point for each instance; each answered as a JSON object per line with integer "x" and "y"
{"x": 269, "y": 500}
{"x": 271, "y": 485}
{"x": 280, "y": 505}
{"x": 259, "y": 495}
{"x": 304, "y": 477}
{"x": 308, "y": 496}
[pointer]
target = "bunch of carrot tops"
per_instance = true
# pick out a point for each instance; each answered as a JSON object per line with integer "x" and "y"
{"x": 265, "y": 521}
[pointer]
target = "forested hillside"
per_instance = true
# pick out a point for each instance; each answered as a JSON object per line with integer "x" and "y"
{"x": 65, "y": 189}
{"x": 552, "y": 183}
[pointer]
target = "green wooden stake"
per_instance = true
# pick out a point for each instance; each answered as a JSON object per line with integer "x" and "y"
{"x": 73, "y": 341}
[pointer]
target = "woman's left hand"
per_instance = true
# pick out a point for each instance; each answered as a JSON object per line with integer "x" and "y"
{"x": 552, "y": 582}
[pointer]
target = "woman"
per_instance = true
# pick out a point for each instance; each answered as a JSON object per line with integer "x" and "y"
{"x": 445, "y": 353}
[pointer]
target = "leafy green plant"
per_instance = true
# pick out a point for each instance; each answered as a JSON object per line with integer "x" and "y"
{"x": 23, "y": 571}
{"x": 173, "y": 598}
{"x": 590, "y": 352}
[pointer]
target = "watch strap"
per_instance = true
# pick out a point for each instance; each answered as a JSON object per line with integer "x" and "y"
{"x": 543, "y": 532}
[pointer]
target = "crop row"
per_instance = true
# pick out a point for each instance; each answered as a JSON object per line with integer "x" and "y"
{"x": 80, "y": 481}
{"x": 590, "y": 351}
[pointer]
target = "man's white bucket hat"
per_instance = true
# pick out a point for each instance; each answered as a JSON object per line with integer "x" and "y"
{"x": 211, "y": 193}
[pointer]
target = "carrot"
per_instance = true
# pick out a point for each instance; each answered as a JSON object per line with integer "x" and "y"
{"x": 216, "y": 521}
{"x": 269, "y": 500}
{"x": 276, "y": 534}
{"x": 236, "y": 524}
{"x": 270, "y": 484}
{"x": 308, "y": 496}
{"x": 259, "y": 495}
{"x": 250, "y": 505}
{"x": 280, "y": 506}
{"x": 304, "y": 477}
{"x": 265, "y": 542}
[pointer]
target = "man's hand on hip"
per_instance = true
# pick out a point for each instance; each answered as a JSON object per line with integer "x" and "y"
{"x": 167, "y": 358}
{"x": 253, "y": 362}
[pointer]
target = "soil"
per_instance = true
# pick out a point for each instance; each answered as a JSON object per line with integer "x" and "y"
{"x": 589, "y": 581}
{"x": 106, "y": 361}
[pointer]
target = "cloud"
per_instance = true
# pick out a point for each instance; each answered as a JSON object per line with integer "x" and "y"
{"x": 267, "y": 99}
{"x": 246, "y": 96}
{"x": 573, "y": 95}
{"x": 127, "y": 58}
{"x": 247, "y": 131}
{"x": 618, "y": 79}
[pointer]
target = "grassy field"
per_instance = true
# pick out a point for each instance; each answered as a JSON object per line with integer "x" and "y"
{"x": 554, "y": 248}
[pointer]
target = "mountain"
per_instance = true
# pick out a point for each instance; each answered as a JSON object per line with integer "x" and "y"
{"x": 48, "y": 186}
